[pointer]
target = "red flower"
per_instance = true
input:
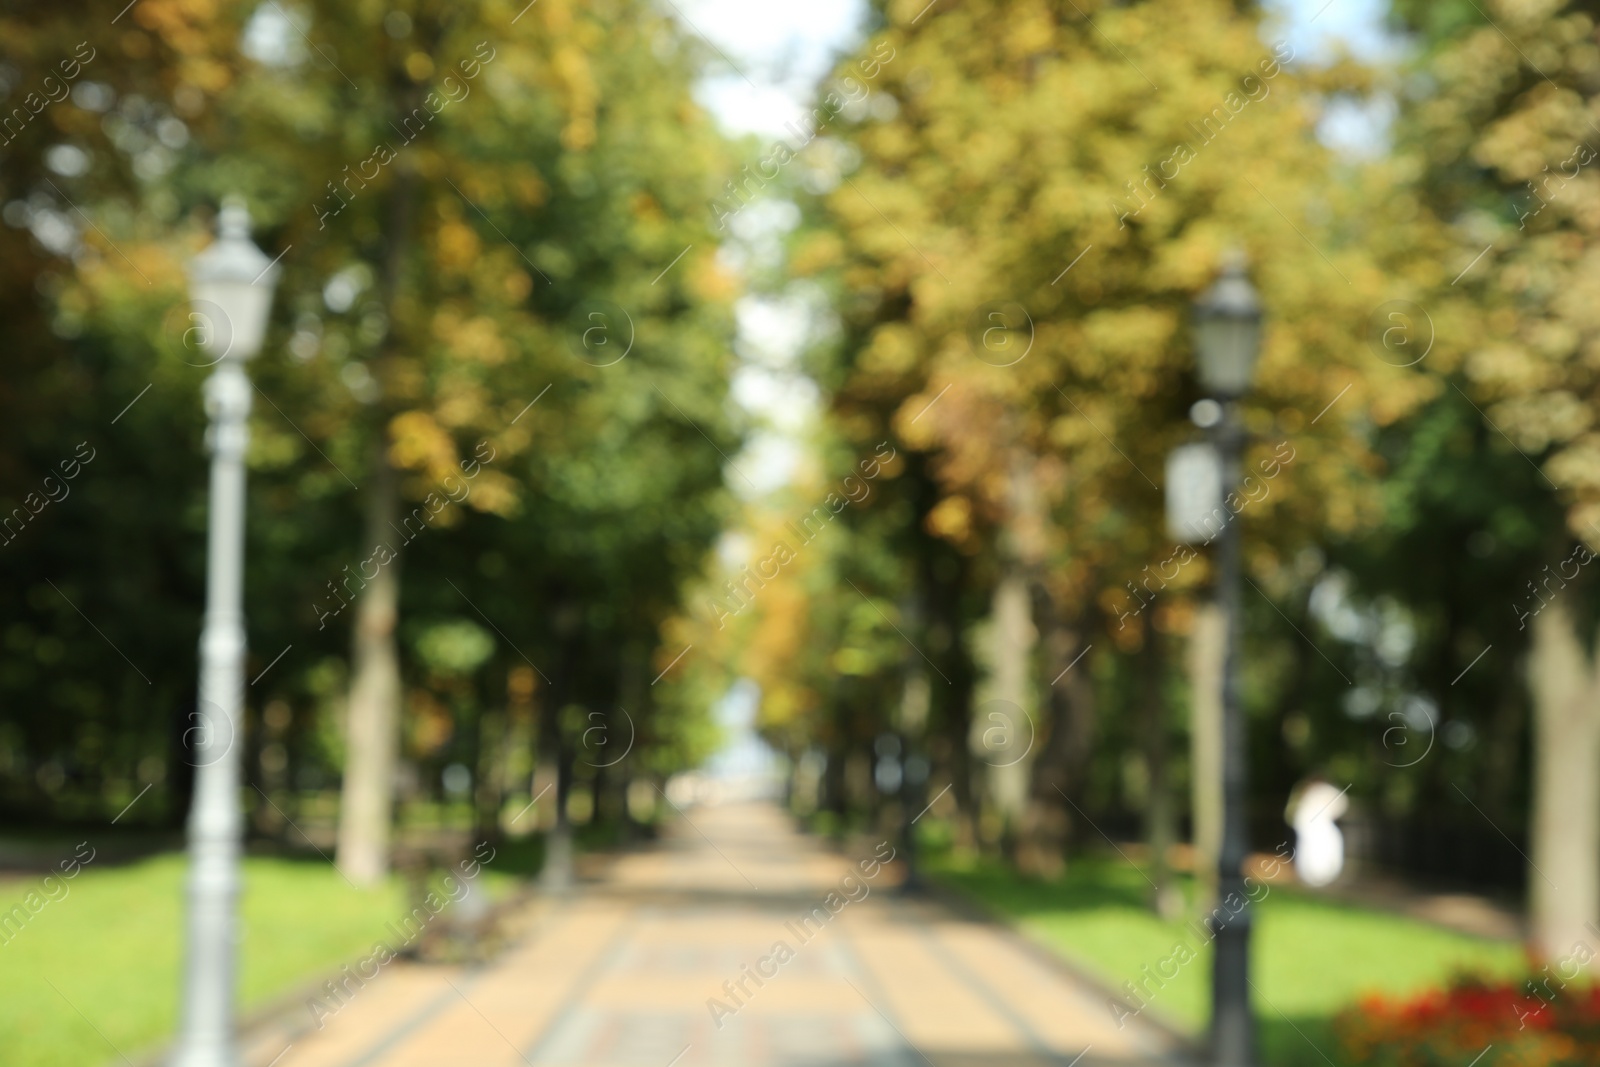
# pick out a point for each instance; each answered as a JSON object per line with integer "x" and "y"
{"x": 1453, "y": 1024}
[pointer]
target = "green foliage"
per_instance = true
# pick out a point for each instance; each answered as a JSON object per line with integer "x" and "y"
{"x": 455, "y": 647}
{"x": 431, "y": 312}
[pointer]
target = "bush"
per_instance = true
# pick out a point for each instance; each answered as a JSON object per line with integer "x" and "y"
{"x": 1529, "y": 1025}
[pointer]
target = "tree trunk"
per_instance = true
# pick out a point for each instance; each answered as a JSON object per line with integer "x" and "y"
{"x": 488, "y": 795}
{"x": 1207, "y": 647}
{"x": 1565, "y": 833}
{"x": 915, "y": 700}
{"x": 1159, "y": 832}
{"x": 1008, "y": 727}
{"x": 950, "y": 705}
{"x": 833, "y": 786}
{"x": 953, "y": 705}
{"x": 1066, "y": 728}
{"x": 555, "y": 875}
{"x": 373, "y": 717}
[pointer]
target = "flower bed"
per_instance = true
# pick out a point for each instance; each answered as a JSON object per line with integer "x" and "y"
{"x": 1528, "y": 1025}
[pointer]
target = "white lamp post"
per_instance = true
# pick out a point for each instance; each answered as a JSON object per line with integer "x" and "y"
{"x": 1227, "y": 340}
{"x": 230, "y": 288}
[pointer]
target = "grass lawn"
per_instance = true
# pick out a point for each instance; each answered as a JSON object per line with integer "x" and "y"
{"x": 112, "y": 947}
{"x": 1311, "y": 957}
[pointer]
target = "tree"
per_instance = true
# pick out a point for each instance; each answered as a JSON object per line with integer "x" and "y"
{"x": 436, "y": 313}
{"x": 1015, "y": 254}
{"x": 461, "y": 185}
{"x": 91, "y": 109}
{"x": 1509, "y": 134}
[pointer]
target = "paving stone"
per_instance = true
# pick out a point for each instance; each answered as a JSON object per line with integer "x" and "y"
{"x": 720, "y": 947}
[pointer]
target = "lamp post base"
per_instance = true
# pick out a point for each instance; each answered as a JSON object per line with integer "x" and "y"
{"x": 1233, "y": 1028}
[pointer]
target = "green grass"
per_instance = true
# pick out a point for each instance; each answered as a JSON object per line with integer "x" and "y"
{"x": 112, "y": 947}
{"x": 1311, "y": 957}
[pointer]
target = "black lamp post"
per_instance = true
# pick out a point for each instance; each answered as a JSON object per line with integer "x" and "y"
{"x": 1227, "y": 340}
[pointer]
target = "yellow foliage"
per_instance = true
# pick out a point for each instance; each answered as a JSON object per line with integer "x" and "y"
{"x": 816, "y": 252}
{"x": 951, "y": 519}
{"x": 891, "y": 352}
{"x": 494, "y": 492}
{"x": 188, "y": 27}
{"x": 458, "y": 246}
{"x": 1032, "y": 166}
{"x": 1533, "y": 299}
{"x": 479, "y": 340}
{"x": 417, "y": 442}
{"x": 518, "y": 284}
{"x": 711, "y": 282}
{"x": 572, "y": 70}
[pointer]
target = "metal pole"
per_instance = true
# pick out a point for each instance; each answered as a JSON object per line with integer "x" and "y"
{"x": 206, "y": 1036}
{"x": 1232, "y": 1024}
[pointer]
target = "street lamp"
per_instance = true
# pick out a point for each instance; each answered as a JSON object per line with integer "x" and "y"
{"x": 1227, "y": 331}
{"x": 230, "y": 289}
{"x": 1227, "y": 340}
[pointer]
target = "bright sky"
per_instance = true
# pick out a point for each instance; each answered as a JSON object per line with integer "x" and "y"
{"x": 1314, "y": 26}
{"x": 784, "y": 50}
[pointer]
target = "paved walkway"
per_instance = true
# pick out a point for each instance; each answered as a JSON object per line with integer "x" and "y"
{"x": 652, "y": 966}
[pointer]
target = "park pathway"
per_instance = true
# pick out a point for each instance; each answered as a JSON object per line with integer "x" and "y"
{"x": 627, "y": 972}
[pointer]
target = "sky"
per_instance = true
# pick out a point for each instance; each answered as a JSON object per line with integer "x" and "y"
{"x": 783, "y": 50}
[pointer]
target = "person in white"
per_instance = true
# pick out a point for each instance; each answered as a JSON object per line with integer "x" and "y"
{"x": 1319, "y": 846}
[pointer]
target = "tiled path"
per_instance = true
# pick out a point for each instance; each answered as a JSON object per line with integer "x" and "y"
{"x": 627, "y": 972}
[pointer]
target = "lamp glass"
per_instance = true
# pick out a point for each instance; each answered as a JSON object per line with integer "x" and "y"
{"x": 1227, "y": 330}
{"x": 230, "y": 286}
{"x": 232, "y": 316}
{"x": 1226, "y": 346}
